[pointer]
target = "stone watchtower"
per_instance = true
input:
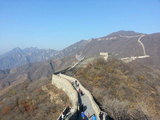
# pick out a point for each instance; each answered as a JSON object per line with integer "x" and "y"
{"x": 105, "y": 55}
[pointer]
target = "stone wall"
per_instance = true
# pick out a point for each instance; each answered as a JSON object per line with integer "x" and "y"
{"x": 67, "y": 87}
{"x": 94, "y": 105}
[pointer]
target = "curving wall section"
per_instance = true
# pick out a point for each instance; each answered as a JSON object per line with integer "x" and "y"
{"x": 67, "y": 87}
{"x": 94, "y": 105}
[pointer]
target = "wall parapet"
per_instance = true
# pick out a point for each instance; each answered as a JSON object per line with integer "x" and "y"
{"x": 67, "y": 87}
{"x": 94, "y": 105}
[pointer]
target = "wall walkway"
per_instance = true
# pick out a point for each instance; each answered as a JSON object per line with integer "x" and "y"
{"x": 87, "y": 99}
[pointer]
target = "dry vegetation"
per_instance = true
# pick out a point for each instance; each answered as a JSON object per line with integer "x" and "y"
{"x": 38, "y": 100}
{"x": 124, "y": 91}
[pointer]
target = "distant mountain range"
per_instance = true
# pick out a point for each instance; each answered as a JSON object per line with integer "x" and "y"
{"x": 18, "y": 57}
{"x": 120, "y": 44}
{"x": 33, "y": 71}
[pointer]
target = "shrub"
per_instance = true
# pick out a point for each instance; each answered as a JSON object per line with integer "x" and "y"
{"x": 6, "y": 110}
{"x": 116, "y": 109}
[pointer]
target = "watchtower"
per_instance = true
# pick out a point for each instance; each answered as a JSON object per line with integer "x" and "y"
{"x": 105, "y": 54}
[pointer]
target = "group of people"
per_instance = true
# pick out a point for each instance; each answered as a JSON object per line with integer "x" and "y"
{"x": 93, "y": 116}
{"x": 83, "y": 116}
{"x": 88, "y": 116}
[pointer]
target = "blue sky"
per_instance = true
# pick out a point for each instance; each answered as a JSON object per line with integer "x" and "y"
{"x": 56, "y": 24}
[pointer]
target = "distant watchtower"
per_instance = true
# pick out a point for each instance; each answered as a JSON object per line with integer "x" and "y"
{"x": 105, "y": 54}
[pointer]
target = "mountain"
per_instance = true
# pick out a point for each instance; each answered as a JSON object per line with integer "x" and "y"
{"x": 120, "y": 44}
{"x": 13, "y": 51}
{"x": 30, "y": 71}
{"x": 33, "y": 71}
{"x": 18, "y": 57}
{"x": 72, "y": 49}
{"x": 114, "y": 43}
{"x": 18, "y": 50}
{"x": 124, "y": 44}
{"x": 123, "y": 33}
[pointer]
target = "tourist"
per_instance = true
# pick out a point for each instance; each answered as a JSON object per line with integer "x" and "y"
{"x": 93, "y": 117}
{"x": 79, "y": 91}
{"x": 63, "y": 116}
{"x": 88, "y": 116}
{"x": 83, "y": 115}
{"x": 101, "y": 116}
{"x": 82, "y": 107}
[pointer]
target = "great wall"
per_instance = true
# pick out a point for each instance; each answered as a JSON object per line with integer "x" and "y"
{"x": 64, "y": 82}
{"x": 129, "y": 59}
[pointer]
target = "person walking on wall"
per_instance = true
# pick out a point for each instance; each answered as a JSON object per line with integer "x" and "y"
{"x": 76, "y": 83}
{"x": 101, "y": 116}
{"x": 63, "y": 116}
{"x": 88, "y": 116}
{"x": 94, "y": 117}
{"x": 82, "y": 107}
{"x": 80, "y": 92}
{"x": 83, "y": 115}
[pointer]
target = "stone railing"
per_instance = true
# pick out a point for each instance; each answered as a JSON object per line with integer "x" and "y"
{"x": 85, "y": 91}
{"x": 67, "y": 87}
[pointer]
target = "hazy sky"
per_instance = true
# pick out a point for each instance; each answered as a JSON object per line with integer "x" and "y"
{"x": 56, "y": 24}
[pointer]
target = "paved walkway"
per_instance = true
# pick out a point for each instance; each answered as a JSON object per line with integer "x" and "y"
{"x": 87, "y": 107}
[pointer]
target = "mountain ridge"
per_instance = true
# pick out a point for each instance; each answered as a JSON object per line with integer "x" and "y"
{"x": 17, "y": 57}
{"x": 121, "y": 44}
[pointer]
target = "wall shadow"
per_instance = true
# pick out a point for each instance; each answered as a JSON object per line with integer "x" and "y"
{"x": 84, "y": 108}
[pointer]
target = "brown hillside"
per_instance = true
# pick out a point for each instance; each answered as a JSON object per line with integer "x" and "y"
{"x": 33, "y": 100}
{"x": 21, "y": 94}
{"x": 123, "y": 90}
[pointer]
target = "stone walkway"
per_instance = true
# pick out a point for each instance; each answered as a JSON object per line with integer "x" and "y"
{"x": 87, "y": 107}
